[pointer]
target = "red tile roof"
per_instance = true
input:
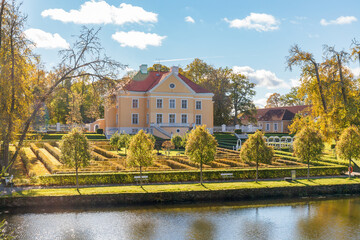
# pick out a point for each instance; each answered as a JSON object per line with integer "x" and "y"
{"x": 279, "y": 113}
{"x": 154, "y": 78}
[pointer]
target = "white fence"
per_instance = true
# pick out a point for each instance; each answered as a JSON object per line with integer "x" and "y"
{"x": 58, "y": 127}
{"x": 243, "y": 128}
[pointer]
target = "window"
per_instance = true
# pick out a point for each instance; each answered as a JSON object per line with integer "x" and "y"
{"x": 177, "y": 130}
{"x": 147, "y": 103}
{"x": 172, "y": 85}
{"x": 172, "y": 103}
{"x": 183, "y": 118}
{"x": 268, "y": 127}
{"x": 135, "y": 103}
{"x": 275, "y": 126}
{"x": 159, "y": 103}
{"x": 135, "y": 118}
{"x": 171, "y": 118}
{"x": 198, "y": 105}
{"x": 147, "y": 118}
{"x": 198, "y": 119}
{"x": 159, "y": 118}
{"x": 184, "y": 104}
{"x": 117, "y": 119}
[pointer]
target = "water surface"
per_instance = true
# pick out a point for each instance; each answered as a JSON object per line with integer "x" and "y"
{"x": 320, "y": 219}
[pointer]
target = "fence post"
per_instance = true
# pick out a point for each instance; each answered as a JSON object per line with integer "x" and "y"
{"x": 58, "y": 127}
{"x": 223, "y": 128}
{"x": 237, "y": 126}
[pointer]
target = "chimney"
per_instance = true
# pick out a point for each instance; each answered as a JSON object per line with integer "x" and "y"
{"x": 175, "y": 70}
{"x": 143, "y": 69}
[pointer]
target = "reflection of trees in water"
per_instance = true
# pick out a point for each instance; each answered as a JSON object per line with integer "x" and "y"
{"x": 330, "y": 219}
{"x": 76, "y": 234}
{"x": 201, "y": 229}
{"x": 142, "y": 229}
{"x": 257, "y": 230}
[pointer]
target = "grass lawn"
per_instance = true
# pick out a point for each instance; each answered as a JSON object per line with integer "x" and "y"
{"x": 182, "y": 187}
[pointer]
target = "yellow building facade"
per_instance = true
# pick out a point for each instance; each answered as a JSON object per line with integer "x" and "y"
{"x": 161, "y": 103}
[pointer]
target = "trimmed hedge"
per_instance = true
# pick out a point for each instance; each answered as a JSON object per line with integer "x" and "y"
{"x": 53, "y": 151}
{"x": 104, "y": 152}
{"x": 184, "y": 176}
{"x": 33, "y": 166}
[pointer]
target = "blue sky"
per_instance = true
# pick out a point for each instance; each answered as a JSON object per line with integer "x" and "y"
{"x": 252, "y": 37}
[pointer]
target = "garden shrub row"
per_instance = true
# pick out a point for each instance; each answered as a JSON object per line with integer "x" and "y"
{"x": 232, "y": 163}
{"x": 98, "y": 156}
{"x": 176, "y": 165}
{"x": 216, "y": 164}
{"x": 188, "y": 162}
{"x": 104, "y": 152}
{"x": 184, "y": 176}
{"x": 53, "y": 151}
{"x": 32, "y": 165}
{"x": 50, "y": 164}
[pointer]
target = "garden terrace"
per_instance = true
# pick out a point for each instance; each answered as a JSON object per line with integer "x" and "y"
{"x": 43, "y": 159}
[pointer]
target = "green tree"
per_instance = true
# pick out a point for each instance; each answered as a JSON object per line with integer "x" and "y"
{"x": 158, "y": 68}
{"x": 140, "y": 152}
{"x": 184, "y": 139}
{"x": 75, "y": 151}
{"x": 348, "y": 146}
{"x": 124, "y": 141}
{"x": 201, "y": 147}
{"x": 273, "y": 101}
{"x": 241, "y": 94}
{"x": 114, "y": 141}
{"x": 292, "y": 98}
{"x": 176, "y": 140}
{"x": 308, "y": 145}
{"x": 255, "y": 150}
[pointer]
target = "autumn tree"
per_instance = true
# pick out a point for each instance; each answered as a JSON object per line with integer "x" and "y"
{"x": 255, "y": 150}
{"x": 292, "y": 98}
{"x": 167, "y": 146}
{"x": 308, "y": 146}
{"x": 158, "y": 68}
{"x": 114, "y": 141}
{"x": 348, "y": 146}
{"x": 201, "y": 147}
{"x": 124, "y": 141}
{"x": 140, "y": 152}
{"x": 273, "y": 101}
{"x": 75, "y": 151}
{"x": 241, "y": 93}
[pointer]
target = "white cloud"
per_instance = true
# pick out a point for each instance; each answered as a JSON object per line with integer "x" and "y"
{"x": 261, "y": 102}
{"x": 189, "y": 19}
{"x": 261, "y": 22}
{"x": 262, "y": 77}
{"x": 356, "y": 71}
{"x": 295, "y": 82}
{"x": 100, "y": 12}
{"x": 339, "y": 21}
{"x": 45, "y": 40}
{"x": 138, "y": 39}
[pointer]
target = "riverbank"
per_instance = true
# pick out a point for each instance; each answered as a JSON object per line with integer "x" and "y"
{"x": 172, "y": 193}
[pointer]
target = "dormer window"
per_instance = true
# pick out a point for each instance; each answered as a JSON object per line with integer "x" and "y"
{"x": 172, "y": 85}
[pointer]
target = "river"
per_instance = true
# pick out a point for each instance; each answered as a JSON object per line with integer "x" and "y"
{"x": 300, "y": 219}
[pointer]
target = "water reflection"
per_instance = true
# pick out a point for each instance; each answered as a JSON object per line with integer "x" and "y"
{"x": 327, "y": 219}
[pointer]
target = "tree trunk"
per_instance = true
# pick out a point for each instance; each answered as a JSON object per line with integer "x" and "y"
{"x": 320, "y": 86}
{"x": 140, "y": 177}
{"x": 257, "y": 170}
{"x": 76, "y": 170}
{"x": 342, "y": 81}
{"x": 1, "y": 20}
{"x": 201, "y": 176}
{"x": 308, "y": 170}
{"x": 349, "y": 167}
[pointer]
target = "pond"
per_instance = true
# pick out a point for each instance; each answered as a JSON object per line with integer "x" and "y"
{"x": 305, "y": 219}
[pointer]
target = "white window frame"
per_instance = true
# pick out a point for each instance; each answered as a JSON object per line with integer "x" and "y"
{"x": 182, "y": 118}
{"x": 198, "y": 115}
{"x": 132, "y": 118}
{"x": 132, "y": 103}
{"x": 162, "y": 103}
{"x": 117, "y": 119}
{"x": 196, "y": 106}
{"x": 267, "y": 127}
{"x": 276, "y": 127}
{"x": 147, "y": 118}
{"x": 187, "y": 103}
{"x": 174, "y": 118}
{"x": 162, "y": 119}
{"x": 170, "y": 103}
{"x": 148, "y": 103}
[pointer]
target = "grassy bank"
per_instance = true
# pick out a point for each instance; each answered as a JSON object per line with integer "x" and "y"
{"x": 182, "y": 187}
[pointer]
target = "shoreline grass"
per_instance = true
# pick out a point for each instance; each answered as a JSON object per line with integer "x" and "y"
{"x": 180, "y": 187}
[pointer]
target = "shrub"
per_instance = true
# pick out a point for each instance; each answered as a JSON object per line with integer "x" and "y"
{"x": 184, "y": 176}
{"x": 176, "y": 141}
{"x": 33, "y": 166}
{"x": 104, "y": 152}
{"x": 55, "y": 152}
{"x": 49, "y": 163}
{"x": 238, "y": 131}
{"x": 99, "y": 131}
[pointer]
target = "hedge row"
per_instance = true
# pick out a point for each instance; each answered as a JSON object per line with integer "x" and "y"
{"x": 184, "y": 176}
{"x": 55, "y": 152}
{"x": 32, "y": 165}
{"x": 104, "y": 152}
{"x": 59, "y": 136}
{"x": 50, "y": 164}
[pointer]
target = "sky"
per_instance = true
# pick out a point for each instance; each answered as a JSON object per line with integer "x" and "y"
{"x": 252, "y": 37}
